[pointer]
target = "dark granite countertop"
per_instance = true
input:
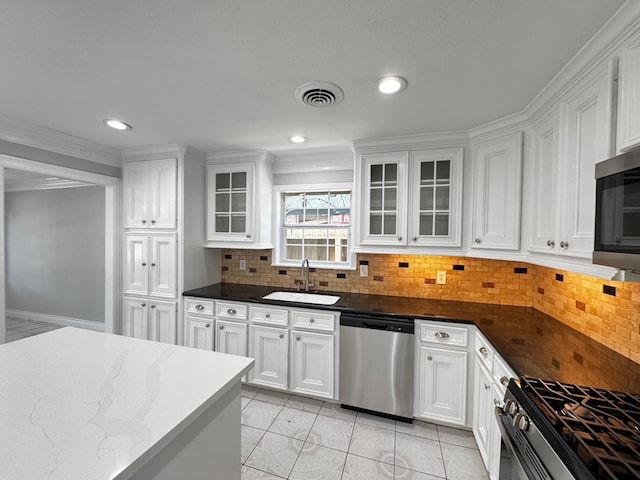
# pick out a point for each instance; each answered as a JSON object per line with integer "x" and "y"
{"x": 533, "y": 343}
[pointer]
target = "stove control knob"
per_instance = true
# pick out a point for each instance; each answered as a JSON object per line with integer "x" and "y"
{"x": 511, "y": 407}
{"x": 521, "y": 422}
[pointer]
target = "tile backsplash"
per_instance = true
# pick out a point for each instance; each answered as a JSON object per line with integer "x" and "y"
{"x": 607, "y": 311}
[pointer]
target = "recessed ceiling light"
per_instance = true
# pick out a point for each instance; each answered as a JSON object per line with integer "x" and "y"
{"x": 117, "y": 124}
{"x": 298, "y": 139}
{"x": 389, "y": 85}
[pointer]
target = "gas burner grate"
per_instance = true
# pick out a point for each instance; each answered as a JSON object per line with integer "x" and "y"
{"x": 601, "y": 426}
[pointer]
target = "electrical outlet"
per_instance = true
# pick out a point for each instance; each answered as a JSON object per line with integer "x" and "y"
{"x": 243, "y": 264}
{"x": 364, "y": 270}
{"x": 441, "y": 277}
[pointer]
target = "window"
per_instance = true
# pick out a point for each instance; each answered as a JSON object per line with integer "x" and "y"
{"x": 316, "y": 226}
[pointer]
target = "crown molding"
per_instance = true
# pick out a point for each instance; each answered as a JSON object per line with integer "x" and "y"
{"x": 32, "y": 135}
{"x": 499, "y": 128}
{"x": 153, "y": 152}
{"x": 305, "y": 161}
{"x": 458, "y": 138}
{"x": 240, "y": 156}
{"x": 51, "y": 183}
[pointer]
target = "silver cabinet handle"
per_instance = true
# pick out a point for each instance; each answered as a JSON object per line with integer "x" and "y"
{"x": 429, "y": 357}
{"x": 207, "y": 325}
{"x": 267, "y": 315}
{"x": 441, "y": 335}
{"x": 564, "y": 244}
{"x": 483, "y": 350}
{"x": 144, "y": 221}
{"x": 487, "y": 386}
{"x": 399, "y": 239}
{"x": 153, "y": 306}
{"x": 153, "y": 221}
{"x": 281, "y": 335}
{"x": 153, "y": 264}
{"x": 221, "y": 327}
{"x": 496, "y": 402}
{"x": 248, "y": 236}
{"x": 415, "y": 239}
{"x": 504, "y": 380}
{"x": 298, "y": 338}
{"x": 311, "y": 320}
{"x": 477, "y": 240}
{"x": 231, "y": 311}
{"x": 199, "y": 307}
{"x": 550, "y": 243}
{"x": 143, "y": 305}
{"x": 144, "y": 264}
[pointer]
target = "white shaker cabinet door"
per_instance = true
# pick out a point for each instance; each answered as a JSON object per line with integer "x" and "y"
{"x": 312, "y": 363}
{"x": 134, "y": 317}
{"x": 162, "y": 193}
{"x": 231, "y": 338}
{"x": 162, "y": 322}
{"x": 270, "y": 348}
{"x": 199, "y": 333}
{"x": 136, "y": 268}
{"x": 483, "y": 418}
{"x": 136, "y": 192}
{"x": 163, "y": 265}
{"x": 629, "y": 96}
{"x": 442, "y": 389}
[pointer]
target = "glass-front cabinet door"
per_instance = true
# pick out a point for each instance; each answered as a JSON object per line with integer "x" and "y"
{"x": 229, "y": 199}
{"x": 435, "y": 185}
{"x": 384, "y": 198}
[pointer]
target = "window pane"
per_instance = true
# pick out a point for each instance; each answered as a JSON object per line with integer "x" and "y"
{"x": 442, "y": 171}
{"x": 239, "y": 180}
{"x": 375, "y": 224}
{"x": 340, "y": 200}
{"x": 426, "y": 172}
{"x": 375, "y": 199}
{"x": 376, "y": 174}
{"x": 426, "y": 198}
{"x": 222, "y": 181}
{"x": 239, "y": 202}
{"x": 222, "y": 223}
{"x": 222, "y": 202}
{"x": 389, "y": 223}
{"x": 442, "y": 224}
{"x": 390, "y": 199}
{"x": 238, "y": 223}
{"x": 390, "y": 173}
{"x": 426, "y": 224}
{"x": 442, "y": 198}
{"x": 293, "y": 252}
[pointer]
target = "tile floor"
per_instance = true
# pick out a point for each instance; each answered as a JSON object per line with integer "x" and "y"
{"x": 297, "y": 438}
{"x": 18, "y": 328}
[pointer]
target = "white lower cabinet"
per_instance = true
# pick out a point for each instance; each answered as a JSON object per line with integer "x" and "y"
{"x": 442, "y": 388}
{"x": 231, "y": 338}
{"x": 149, "y": 320}
{"x": 269, "y": 347}
{"x": 483, "y": 419}
{"x": 312, "y": 363}
{"x": 199, "y": 333}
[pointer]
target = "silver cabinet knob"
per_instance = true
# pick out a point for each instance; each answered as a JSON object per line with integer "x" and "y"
{"x": 550, "y": 243}
{"x": 496, "y": 402}
{"x": 564, "y": 244}
{"x": 429, "y": 357}
{"x": 400, "y": 239}
{"x": 504, "y": 380}
{"x": 153, "y": 221}
{"x": 143, "y": 305}
{"x": 298, "y": 338}
{"x": 311, "y": 320}
{"x": 267, "y": 315}
{"x": 207, "y": 325}
{"x": 415, "y": 239}
{"x": 199, "y": 307}
{"x": 441, "y": 335}
{"x": 477, "y": 240}
{"x": 231, "y": 311}
{"x": 281, "y": 335}
{"x": 487, "y": 386}
{"x": 221, "y": 327}
{"x": 153, "y": 306}
{"x": 144, "y": 264}
{"x": 248, "y": 236}
{"x": 153, "y": 264}
{"x": 144, "y": 221}
{"x": 483, "y": 350}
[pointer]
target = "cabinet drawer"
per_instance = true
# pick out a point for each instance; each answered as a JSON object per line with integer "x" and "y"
{"x": 231, "y": 310}
{"x": 484, "y": 351}
{"x": 312, "y": 319}
{"x": 502, "y": 372}
{"x": 199, "y": 306}
{"x": 269, "y": 315}
{"x": 443, "y": 334}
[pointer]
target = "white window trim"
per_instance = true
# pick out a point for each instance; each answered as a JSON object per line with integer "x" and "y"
{"x": 277, "y": 257}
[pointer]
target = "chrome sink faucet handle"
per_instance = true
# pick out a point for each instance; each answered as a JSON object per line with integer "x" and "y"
{"x": 304, "y": 271}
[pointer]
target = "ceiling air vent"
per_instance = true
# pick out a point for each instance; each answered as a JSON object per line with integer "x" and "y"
{"x": 319, "y": 94}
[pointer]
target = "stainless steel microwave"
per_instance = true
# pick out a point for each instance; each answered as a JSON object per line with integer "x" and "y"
{"x": 617, "y": 229}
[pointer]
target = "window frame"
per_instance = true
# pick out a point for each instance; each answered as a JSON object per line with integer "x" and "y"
{"x": 278, "y": 257}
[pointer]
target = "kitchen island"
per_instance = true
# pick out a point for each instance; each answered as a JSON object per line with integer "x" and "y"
{"x": 78, "y": 404}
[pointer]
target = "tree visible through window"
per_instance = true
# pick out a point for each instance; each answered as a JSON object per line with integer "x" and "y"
{"x": 316, "y": 226}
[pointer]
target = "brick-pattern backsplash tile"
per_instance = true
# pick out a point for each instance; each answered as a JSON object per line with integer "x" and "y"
{"x": 611, "y": 320}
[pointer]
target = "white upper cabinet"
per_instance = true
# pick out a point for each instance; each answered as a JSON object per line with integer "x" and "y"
{"x": 629, "y": 96}
{"x": 239, "y": 203}
{"x": 150, "y": 194}
{"x": 496, "y": 193}
{"x": 566, "y": 145}
{"x": 410, "y": 198}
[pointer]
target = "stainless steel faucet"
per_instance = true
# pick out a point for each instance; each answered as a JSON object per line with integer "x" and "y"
{"x": 304, "y": 271}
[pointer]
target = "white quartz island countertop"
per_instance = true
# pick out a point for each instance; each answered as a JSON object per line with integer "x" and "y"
{"x": 83, "y": 405}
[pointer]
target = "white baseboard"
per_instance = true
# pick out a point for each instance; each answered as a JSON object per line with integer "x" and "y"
{"x": 55, "y": 319}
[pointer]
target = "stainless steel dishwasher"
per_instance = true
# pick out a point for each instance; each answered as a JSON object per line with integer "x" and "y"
{"x": 376, "y": 365}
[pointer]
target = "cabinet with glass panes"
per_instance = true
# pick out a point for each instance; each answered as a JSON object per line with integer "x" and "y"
{"x": 411, "y": 198}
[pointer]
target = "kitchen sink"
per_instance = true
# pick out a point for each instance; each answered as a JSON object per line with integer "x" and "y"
{"x": 303, "y": 297}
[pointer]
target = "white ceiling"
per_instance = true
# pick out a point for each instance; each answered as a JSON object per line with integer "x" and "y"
{"x": 221, "y": 74}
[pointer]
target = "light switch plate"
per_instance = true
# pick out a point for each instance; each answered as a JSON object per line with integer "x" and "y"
{"x": 441, "y": 277}
{"x": 243, "y": 264}
{"x": 364, "y": 270}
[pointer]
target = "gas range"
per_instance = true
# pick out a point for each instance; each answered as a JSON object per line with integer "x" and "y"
{"x": 563, "y": 431}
